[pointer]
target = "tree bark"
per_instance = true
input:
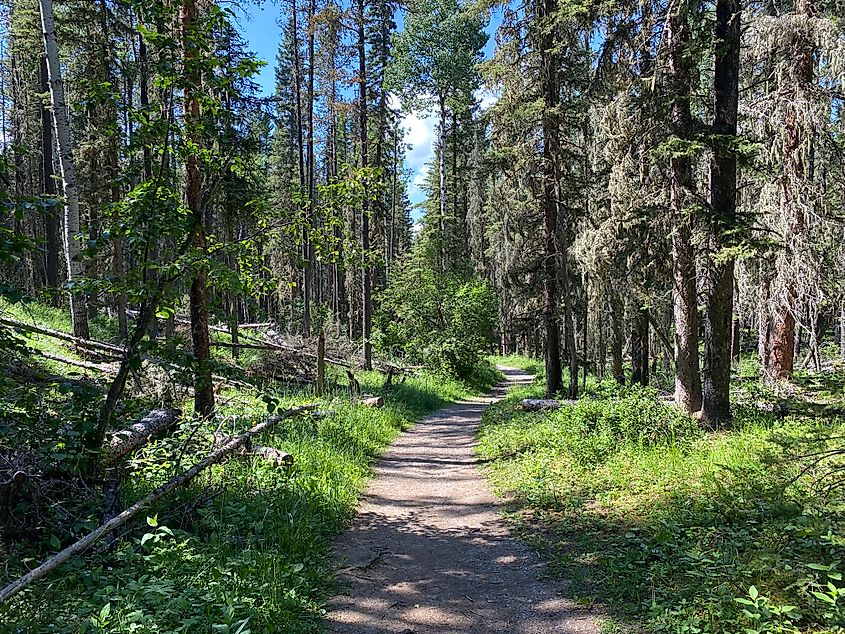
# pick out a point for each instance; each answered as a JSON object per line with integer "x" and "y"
{"x": 307, "y": 246}
{"x": 78, "y": 309}
{"x": 51, "y": 220}
{"x": 687, "y": 375}
{"x": 300, "y": 149}
{"x": 203, "y": 387}
{"x": 365, "y": 207}
{"x": 781, "y": 358}
{"x": 548, "y": 203}
{"x": 441, "y": 172}
{"x": 640, "y": 348}
{"x": 716, "y": 407}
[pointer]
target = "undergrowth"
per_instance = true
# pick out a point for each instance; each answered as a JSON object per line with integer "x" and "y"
{"x": 669, "y": 528}
{"x": 243, "y": 548}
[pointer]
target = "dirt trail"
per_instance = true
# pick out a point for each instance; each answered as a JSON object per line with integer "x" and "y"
{"x": 428, "y": 551}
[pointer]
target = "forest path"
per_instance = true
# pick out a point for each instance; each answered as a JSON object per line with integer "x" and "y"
{"x": 429, "y": 552}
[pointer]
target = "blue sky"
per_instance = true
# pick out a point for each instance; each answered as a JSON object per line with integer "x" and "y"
{"x": 259, "y": 24}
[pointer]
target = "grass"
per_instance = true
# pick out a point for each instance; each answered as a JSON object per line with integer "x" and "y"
{"x": 667, "y": 527}
{"x": 243, "y": 548}
{"x": 527, "y": 364}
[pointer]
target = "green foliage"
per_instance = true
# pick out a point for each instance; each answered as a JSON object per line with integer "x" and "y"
{"x": 436, "y": 54}
{"x": 245, "y": 548}
{"x": 443, "y": 321}
{"x": 671, "y": 527}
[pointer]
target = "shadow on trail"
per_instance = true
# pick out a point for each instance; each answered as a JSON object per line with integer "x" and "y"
{"x": 429, "y": 552}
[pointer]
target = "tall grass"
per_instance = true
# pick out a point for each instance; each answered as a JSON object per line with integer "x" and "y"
{"x": 245, "y": 547}
{"x": 669, "y": 527}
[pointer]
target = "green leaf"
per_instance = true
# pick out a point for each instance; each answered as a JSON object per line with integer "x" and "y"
{"x": 824, "y": 597}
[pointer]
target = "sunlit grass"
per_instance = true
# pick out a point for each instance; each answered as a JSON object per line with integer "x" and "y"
{"x": 250, "y": 540}
{"x": 663, "y": 523}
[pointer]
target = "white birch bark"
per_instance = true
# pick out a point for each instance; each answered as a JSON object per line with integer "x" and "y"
{"x": 67, "y": 167}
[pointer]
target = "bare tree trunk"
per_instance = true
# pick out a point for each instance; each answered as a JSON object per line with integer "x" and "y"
{"x": 640, "y": 348}
{"x": 203, "y": 387}
{"x": 687, "y": 375}
{"x": 113, "y": 151}
{"x": 842, "y": 331}
{"x": 300, "y": 148}
{"x": 307, "y": 246}
{"x": 569, "y": 323}
{"x": 51, "y": 220}
{"x": 78, "y": 309}
{"x": 365, "y": 211}
{"x": 616, "y": 339}
{"x": 716, "y": 406}
{"x": 147, "y": 167}
{"x": 441, "y": 171}
{"x": 548, "y": 202}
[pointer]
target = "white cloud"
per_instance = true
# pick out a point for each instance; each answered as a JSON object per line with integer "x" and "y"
{"x": 486, "y": 98}
{"x": 420, "y": 136}
{"x": 420, "y": 133}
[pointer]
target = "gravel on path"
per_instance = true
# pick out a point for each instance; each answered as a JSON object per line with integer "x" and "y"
{"x": 429, "y": 552}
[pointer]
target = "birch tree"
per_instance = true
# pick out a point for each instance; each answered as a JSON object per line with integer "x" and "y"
{"x": 67, "y": 167}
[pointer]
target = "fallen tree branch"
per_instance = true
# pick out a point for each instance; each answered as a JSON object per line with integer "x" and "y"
{"x": 87, "y": 365}
{"x": 126, "y": 441}
{"x": 266, "y": 345}
{"x": 83, "y": 544}
{"x": 92, "y": 344}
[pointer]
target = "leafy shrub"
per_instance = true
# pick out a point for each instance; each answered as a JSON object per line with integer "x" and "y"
{"x": 442, "y": 321}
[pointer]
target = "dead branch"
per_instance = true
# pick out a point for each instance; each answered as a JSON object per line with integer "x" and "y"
{"x": 87, "y": 365}
{"x": 83, "y": 544}
{"x": 90, "y": 344}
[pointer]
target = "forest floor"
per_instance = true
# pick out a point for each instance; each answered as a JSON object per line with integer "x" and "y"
{"x": 670, "y": 528}
{"x": 244, "y": 547}
{"x": 429, "y": 550}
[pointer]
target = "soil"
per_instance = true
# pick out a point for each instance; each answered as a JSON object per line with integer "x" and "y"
{"x": 429, "y": 551}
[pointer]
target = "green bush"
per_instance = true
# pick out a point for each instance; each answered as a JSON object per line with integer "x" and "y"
{"x": 444, "y": 322}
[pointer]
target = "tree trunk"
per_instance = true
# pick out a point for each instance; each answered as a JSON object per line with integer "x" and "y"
{"x": 548, "y": 202}
{"x": 687, "y": 375}
{"x": 79, "y": 316}
{"x": 203, "y": 388}
{"x": 640, "y": 348}
{"x": 716, "y": 405}
{"x": 307, "y": 246}
{"x": 781, "y": 359}
{"x": 616, "y": 340}
{"x": 842, "y": 331}
{"x": 365, "y": 211}
{"x": 441, "y": 171}
{"x": 300, "y": 150}
{"x": 569, "y": 322}
{"x": 51, "y": 220}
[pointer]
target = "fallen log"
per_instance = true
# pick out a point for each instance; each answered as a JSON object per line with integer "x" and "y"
{"x": 87, "y": 365}
{"x": 263, "y": 344}
{"x": 279, "y": 457}
{"x": 254, "y": 326}
{"x": 104, "y": 529}
{"x": 372, "y": 401}
{"x": 542, "y": 404}
{"x": 266, "y": 345}
{"x": 91, "y": 344}
{"x": 127, "y": 440}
